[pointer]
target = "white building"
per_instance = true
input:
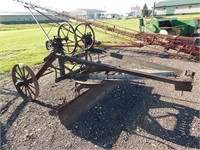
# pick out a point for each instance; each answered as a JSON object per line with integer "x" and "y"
{"x": 113, "y": 16}
{"x": 88, "y": 13}
{"x": 24, "y": 17}
{"x": 177, "y": 7}
{"x": 136, "y": 11}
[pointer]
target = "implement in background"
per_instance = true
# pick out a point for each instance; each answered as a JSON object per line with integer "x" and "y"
{"x": 188, "y": 45}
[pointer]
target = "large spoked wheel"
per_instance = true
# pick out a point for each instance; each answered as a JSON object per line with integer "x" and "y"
{"x": 67, "y": 33}
{"x": 25, "y": 81}
{"x": 85, "y": 36}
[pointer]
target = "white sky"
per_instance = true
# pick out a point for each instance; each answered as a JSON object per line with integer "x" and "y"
{"x": 111, "y": 6}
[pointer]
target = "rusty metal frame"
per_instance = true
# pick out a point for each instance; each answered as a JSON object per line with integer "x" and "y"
{"x": 88, "y": 67}
{"x": 69, "y": 112}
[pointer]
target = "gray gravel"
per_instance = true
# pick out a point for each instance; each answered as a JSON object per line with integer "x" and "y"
{"x": 149, "y": 115}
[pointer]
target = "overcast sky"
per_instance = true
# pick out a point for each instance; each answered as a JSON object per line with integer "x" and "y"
{"x": 111, "y": 6}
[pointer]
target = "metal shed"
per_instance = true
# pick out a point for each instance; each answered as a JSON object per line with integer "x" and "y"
{"x": 23, "y": 17}
{"x": 177, "y": 7}
{"x": 88, "y": 13}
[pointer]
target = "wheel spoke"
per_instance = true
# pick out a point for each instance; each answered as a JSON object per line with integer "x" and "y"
{"x": 27, "y": 75}
{"x": 79, "y": 40}
{"x": 19, "y": 78}
{"x": 32, "y": 86}
{"x": 25, "y": 91}
{"x": 79, "y": 31}
{"x": 78, "y": 36}
{"x": 29, "y": 93}
{"x": 19, "y": 74}
{"x": 22, "y": 88}
{"x": 85, "y": 29}
{"x": 31, "y": 90}
{"x": 63, "y": 32}
{"x": 20, "y": 71}
{"x": 70, "y": 41}
{"x": 67, "y": 47}
{"x": 68, "y": 31}
{"x": 66, "y": 44}
{"x": 23, "y": 71}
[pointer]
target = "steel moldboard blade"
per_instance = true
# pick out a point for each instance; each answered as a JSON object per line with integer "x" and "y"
{"x": 73, "y": 110}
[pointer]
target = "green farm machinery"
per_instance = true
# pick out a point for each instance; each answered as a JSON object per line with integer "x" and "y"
{"x": 173, "y": 26}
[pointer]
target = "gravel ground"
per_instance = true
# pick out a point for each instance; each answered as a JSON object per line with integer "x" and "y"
{"x": 146, "y": 115}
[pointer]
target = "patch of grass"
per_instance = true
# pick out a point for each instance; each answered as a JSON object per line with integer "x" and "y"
{"x": 129, "y": 23}
{"x": 25, "y": 46}
{"x": 4, "y": 27}
{"x": 26, "y": 43}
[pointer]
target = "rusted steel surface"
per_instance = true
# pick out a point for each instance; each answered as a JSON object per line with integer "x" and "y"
{"x": 111, "y": 44}
{"x": 70, "y": 112}
{"x": 184, "y": 82}
{"x": 189, "y": 45}
{"x": 144, "y": 63}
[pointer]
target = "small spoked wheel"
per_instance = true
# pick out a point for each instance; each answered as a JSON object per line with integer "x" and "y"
{"x": 85, "y": 36}
{"x": 25, "y": 81}
{"x": 49, "y": 45}
{"x": 67, "y": 33}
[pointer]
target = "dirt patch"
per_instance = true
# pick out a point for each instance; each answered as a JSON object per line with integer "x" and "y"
{"x": 149, "y": 115}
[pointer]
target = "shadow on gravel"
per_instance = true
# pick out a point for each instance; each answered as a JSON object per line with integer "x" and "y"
{"x": 162, "y": 54}
{"x": 53, "y": 109}
{"x": 124, "y": 109}
{"x": 127, "y": 108}
{"x": 14, "y": 115}
{"x": 4, "y": 127}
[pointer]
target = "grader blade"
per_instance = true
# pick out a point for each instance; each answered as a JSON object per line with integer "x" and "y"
{"x": 72, "y": 111}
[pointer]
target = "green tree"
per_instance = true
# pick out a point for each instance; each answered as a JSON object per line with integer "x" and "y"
{"x": 145, "y": 11}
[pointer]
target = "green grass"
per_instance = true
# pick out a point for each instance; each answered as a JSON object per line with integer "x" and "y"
{"x": 19, "y": 26}
{"x": 26, "y": 43}
{"x": 17, "y": 46}
{"x": 129, "y": 23}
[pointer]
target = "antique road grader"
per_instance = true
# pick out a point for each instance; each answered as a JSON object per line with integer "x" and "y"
{"x": 72, "y": 54}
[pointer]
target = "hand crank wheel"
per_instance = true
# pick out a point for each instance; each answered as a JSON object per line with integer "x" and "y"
{"x": 67, "y": 33}
{"x": 85, "y": 36}
{"x": 48, "y": 45}
{"x": 25, "y": 81}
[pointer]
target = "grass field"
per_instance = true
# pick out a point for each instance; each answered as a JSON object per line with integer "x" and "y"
{"x": 25, "y": 43}
{"x": 17, "y": 46}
